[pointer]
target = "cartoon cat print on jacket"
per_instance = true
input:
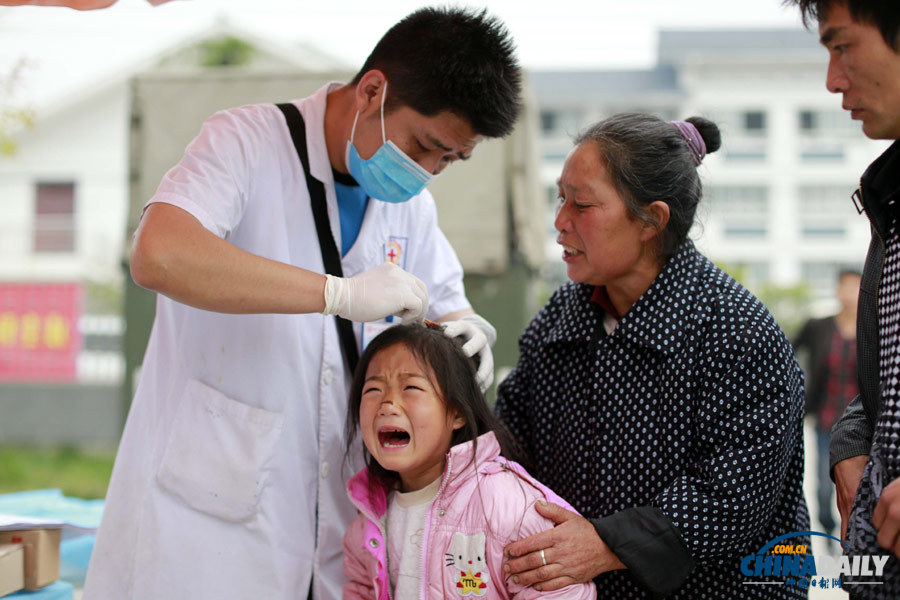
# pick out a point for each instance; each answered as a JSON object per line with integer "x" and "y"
{"x": 468, "y": 565}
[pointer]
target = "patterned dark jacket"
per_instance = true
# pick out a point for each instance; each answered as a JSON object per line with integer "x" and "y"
{"x": 679, "y": 435}
{"x": 855, "y": 433}
{"x": 879, "y": 193}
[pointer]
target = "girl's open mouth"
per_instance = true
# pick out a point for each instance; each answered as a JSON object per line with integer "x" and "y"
{"x": 392, "y": 437}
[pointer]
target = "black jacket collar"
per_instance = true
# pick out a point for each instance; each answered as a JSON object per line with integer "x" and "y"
{"x": 880, "y": 188}
{"x": 651, "y": 321}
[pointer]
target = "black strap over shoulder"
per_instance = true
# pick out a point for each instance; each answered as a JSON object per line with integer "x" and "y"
{"x": 330, "y": 255}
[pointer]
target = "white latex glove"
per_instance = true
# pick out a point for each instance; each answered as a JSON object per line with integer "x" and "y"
{"x": 374, "y": 294}
{"x": 479, "y": 336}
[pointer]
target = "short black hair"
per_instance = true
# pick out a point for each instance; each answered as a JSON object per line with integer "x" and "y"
{"x": 455, "y": 381}
{"x": 848, "y": 272}
{"x": 451, "y": 59}
{"x": 648, "y": 159}
{"x": 883, "y": 14}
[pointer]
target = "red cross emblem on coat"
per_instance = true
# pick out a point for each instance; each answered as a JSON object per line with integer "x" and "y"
{"x": 395, "y": 251}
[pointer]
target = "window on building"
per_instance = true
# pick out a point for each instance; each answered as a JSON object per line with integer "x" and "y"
{"x": 552, "y": 193}
{"x": 823, "y": 134}
{"x": 561, "y": 121}
{"x": 754, "y": 121}
{"x": 750, "y": 121}
{"x": 54, "y": 217}
{"x": 807, "y": 120}
{"x": 743, "y": 134}
{"x": 548, "y": 121}
{"x": 558, "y": 126}
{"x": 743, "y": 211}
{"x": 825, "y": 210}
{"x": 821, "y": 123}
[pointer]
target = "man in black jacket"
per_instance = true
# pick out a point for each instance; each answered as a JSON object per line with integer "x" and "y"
{"x": 862, "y": 40}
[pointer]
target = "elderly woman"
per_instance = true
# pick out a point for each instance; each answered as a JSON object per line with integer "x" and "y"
{"x": 653, "y": 392}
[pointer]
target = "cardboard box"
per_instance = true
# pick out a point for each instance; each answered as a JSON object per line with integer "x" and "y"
{"x": 12, "y": 568}
{"x": 41, "y": 554}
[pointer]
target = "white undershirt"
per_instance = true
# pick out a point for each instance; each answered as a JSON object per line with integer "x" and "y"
{"x": 609, "y": 323}
{"x": 406, "y": 516}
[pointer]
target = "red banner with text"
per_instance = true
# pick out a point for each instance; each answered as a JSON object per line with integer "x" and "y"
{"x": 39, "y": 336}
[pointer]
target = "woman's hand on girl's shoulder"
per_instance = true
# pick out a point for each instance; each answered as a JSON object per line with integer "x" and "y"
{"x": 572, "y": 552}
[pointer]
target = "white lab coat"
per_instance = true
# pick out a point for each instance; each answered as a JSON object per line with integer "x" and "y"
{"x": 229, "y": 481}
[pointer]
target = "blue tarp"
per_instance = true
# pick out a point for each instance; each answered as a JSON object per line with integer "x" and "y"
{"x": 60, "y": 590}
{"x": 52, "y": 505}
{"x": 82, "y": 517}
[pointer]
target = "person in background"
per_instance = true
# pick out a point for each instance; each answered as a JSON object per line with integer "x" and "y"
{"x": 831, "y": 380}
{"x": 653, "y": 392}
{"x": 862, "y": 38}
{"x": 227, "y": 482}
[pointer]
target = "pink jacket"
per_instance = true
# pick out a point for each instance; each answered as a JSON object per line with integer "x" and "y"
{"x": 469, "y": 523}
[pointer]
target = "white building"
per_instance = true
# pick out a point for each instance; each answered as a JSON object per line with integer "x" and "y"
{"x": 64, "y": 191}
{"x": 777, "y": 195}
{"x": 64, "y": 208}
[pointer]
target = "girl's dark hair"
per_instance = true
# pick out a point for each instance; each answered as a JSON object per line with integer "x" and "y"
{"x": 648, "y": 159}
{"x": 454, "y": 379}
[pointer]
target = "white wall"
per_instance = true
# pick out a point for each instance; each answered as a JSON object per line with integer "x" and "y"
{"x": 86, "y": 143}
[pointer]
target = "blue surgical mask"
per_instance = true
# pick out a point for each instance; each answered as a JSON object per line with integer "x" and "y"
{"x": 389, "y": 174}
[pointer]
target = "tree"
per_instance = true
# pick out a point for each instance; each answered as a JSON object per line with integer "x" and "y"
{"x": 14, "y": 116}
{"x": 226, "y": 52}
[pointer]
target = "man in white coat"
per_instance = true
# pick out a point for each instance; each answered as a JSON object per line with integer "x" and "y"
{"x": 229, "y": 481}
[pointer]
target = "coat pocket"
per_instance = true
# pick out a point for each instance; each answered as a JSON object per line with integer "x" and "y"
{"x": 217, "y": 455}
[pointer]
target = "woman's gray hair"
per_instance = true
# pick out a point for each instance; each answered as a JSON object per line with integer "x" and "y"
{"x": 649, "y": 159}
